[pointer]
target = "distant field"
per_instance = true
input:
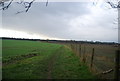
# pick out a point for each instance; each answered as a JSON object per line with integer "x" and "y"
{"x": 38, "y": 60}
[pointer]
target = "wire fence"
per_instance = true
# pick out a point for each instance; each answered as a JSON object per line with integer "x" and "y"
{"x": 102, "y": 59}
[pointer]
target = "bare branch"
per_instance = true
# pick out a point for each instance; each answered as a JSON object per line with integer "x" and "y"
{"x": 29, "y": 5}
{"x": 47, "y": 3}
{"x": 114, "y": 5}
{"x": 5, "y": 7}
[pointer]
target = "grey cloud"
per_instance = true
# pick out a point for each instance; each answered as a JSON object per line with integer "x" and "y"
{"x": 54, "y": 21}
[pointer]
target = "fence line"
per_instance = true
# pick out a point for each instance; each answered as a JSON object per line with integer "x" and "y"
{"x": 92, "y": 58}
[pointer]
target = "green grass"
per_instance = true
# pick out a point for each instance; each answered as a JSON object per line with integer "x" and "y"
{"x": 13, "y": 48}
{"x": 47, "y": 61}
{"x": 68, "y": 66}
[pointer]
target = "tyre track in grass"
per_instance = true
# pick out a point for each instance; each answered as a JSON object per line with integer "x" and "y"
{"x": 68, "y": 66}
{"x": 52, "y": 61}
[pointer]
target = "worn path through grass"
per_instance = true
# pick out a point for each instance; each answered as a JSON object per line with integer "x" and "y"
{"x": 51, "y": 62}
{"x": 38, "y": 60}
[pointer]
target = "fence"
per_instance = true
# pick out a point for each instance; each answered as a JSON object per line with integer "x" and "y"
{"x": 102, "y": 59}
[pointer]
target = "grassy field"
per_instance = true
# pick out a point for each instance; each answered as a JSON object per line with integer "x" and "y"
{"x": 38, "y": 60}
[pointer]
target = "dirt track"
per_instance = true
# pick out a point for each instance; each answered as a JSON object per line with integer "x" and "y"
{"x": 52, "y": 61}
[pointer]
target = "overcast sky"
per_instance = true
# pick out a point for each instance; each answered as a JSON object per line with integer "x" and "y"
{"x": 62, "y": 20}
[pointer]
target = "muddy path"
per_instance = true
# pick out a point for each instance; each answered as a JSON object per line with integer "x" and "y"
{"x": 52, "y": 61}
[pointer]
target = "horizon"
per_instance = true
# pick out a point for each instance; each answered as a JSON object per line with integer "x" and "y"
{"x": 59, "y": 40}
{"x": 62, "y": 21}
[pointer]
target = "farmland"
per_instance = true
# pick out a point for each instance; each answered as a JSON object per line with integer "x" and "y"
{"x": 37, "y": 60}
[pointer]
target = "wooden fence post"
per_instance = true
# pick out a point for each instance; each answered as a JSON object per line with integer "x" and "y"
{"x": 84, "y": 58}
{"x": 92, "y": 57}
{"x": 71, "y": 46}
{"x": 76, "y": 48}
{"x": 117, "y": 55}
{"x": 80, "y": 50}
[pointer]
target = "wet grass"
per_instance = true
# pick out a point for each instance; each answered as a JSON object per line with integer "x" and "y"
{"x": 38, "y": 60}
